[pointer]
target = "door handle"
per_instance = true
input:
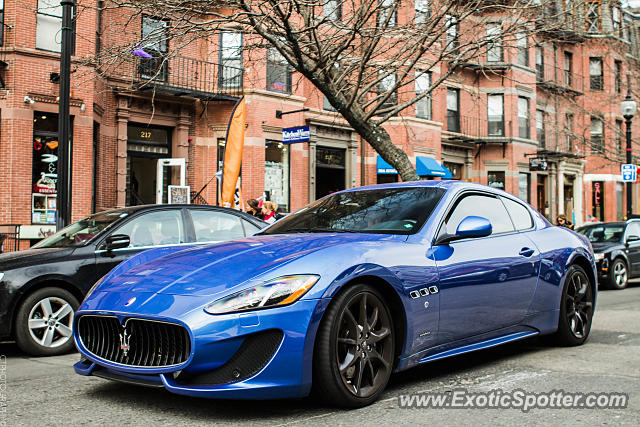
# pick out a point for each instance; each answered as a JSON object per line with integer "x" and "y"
{"x": 526, "y": 252}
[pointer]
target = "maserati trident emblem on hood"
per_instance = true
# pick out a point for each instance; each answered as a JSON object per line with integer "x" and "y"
{"x": 131, "y": 301}
{"x": 124, "y": 341}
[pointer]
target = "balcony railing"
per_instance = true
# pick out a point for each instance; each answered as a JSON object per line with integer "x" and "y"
{"x": 559, "y": 80}
{"x": 477, "y": 129}
{"x": 9, "y": 238}
{"x": 182, "y": 76}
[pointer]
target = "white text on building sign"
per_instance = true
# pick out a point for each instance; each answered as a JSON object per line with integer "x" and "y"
{"x": 297, "y": 134}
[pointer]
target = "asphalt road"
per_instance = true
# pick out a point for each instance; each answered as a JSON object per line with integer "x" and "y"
{"x": 46, "y": 391}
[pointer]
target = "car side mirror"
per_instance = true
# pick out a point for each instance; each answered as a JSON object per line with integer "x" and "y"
{"x": 117, "y": 241}
{"x": 471, "y": 226}
{"x": 633, "y": 238}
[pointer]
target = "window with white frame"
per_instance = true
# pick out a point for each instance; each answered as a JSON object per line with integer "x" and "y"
{"x": 230, "y": 74}
{"x": 423, "y": 11}
{"x": 616, "y": 21}
{"x": 523, "y": 117}
{"x": 451, "y": 23}
{"x": 332, "y": 9}
{"x": 453, "y": 110}
{"x": 540, "y": 128}
{"x": 596, "y": 76}
{"x": 386, "y": 84}
{"x": 387, "y": 13}
{"x": 495, "y": 115}
{"x": 422, "y": 84}
{"x": 597, "y": 134}
{"x": 49, "y": 26}
{"x": 522, "y": 43}
{"x": 494, "y": 42}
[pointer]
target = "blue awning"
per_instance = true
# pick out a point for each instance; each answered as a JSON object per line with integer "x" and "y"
{"x": 384, "y": 168}
{"x": 427, "y": 166}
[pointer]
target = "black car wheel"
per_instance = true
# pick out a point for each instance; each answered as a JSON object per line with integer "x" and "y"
{"x": 44, "y": 321}
{"x": 618, "y": 275}
{"x": 354, "y": 352}
{"x": 576, "y": 308}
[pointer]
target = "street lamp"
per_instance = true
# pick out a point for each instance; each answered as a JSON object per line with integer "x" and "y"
{"x": 628, "y": 107}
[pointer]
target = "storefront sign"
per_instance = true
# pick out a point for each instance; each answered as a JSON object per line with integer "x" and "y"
{"x": 297, "y": 134}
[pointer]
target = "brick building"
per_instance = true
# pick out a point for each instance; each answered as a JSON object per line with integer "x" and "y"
{"x": 554, "y": 98}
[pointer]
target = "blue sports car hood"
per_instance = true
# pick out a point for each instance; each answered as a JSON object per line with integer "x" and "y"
{"x": 211, "y": 270}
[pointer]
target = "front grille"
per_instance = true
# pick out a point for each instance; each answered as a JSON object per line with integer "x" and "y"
{"x": 150, "y": 343}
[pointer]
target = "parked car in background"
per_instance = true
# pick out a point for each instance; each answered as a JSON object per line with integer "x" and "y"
{"x": 41, "y": 288}
{"x": 616, "y": 246}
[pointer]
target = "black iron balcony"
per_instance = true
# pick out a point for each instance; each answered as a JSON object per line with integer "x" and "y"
{"x": 474, "y": 129}
{"x": 182, "y": 76}
{"x": 559, "y": 80}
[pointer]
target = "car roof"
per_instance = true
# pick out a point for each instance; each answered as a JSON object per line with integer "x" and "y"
{"x": 449, "y": 184}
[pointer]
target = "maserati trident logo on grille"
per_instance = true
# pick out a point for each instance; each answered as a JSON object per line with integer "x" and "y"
{"x": 124, "y": 341}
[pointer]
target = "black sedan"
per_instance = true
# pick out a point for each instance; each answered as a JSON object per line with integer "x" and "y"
{"x": 616, "y": 246}
{"x": 40, "y": 288}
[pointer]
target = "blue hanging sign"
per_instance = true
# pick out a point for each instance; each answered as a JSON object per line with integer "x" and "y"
{"x": 297, "y": 134}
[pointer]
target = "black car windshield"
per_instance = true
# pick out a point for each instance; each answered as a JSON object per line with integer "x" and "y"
{"x": 603, "y": 232}
{"x": 79, "y": 233}
{"x": 397, "y": 210}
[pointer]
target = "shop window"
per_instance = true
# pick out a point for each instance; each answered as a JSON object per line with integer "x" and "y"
{"x": 597, "y": 200}
{"x": 455, "y": 169}
{"x": 44, "y": 168}
{"x": 596, "y": 78}
{"x": 495, "y": 114}
{"x": 423, "y": 11}
{"x": 49, "y": 26}
{"x": 386, "y": 178}
{"x": 494, "y": 42}
{"x": 453, "y": 110}
{"x": 278, "y": 72}
{"x": 387, "y": 13}
{"x": 423, "y": 106}
{"x": 276, "y": 174}
{"x": 597, "y": 134}
{"x": 522, "y": 43}
{"x": 523, "y": 117}
{"x": 524, "y": 186}
{"x": 230, "y": 73}
{"x": 496, "y": 180}
{"x": 332, "y": 10}
{"x": 540, "y": 128}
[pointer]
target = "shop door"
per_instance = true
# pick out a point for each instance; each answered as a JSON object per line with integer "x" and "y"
{"x": 330, "y": 170}
{"x": 568, "y": 201}
{"x": 145, "y": 145}
{"x": 541, "y": 196}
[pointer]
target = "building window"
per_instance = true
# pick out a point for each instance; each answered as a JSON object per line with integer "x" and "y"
{"x": 494, "y": 42}
{"x": 44, "y": 168}
{"x": 522, "y": 43}
{"x": 619, "y": 137}
{"x": 617, "y": 24}
{"x": 593, "y": 20}
{"x": 332, "y": 10}
{"x": 495, "y": 179}
{"x": 523, "y": 117}
{"x": 1, "y": 22}
{"x": 387, "y": 13}
{"x": 540, "y": 128}
{"x": 326, "y": 105}
{"x": 452, "y": 41}
{"x": 230, "y": 73}
{"x": 423, "y": 11}
{"x": 524, "y": 186}
{"x": 618, "y": 76}
{"x": 453, "y": 110}
{"x": 596, "y": 77}
{"x": 540, "y": 63}
{"x": 597, "y": 135}
{"x": 276, "y": 174}
{"x": 423, "y": 106}
{"x": 278, "y": 72}
{"x": 495, "y": 114}
{"x": 387, "y": 84}
{"x": 568, "y": 123}
{"x": 597, "y": 199}
{"x": 568, "y": 69}
{"x": 49, "y": 26}
{"x": 155, "y": 41}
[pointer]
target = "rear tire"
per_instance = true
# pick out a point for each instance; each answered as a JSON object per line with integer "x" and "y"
{"x": 618, "y": 275}
{"x": 576, "y": 309}
{"x": 355, "y": 349}
{"x": 44, "y": 321}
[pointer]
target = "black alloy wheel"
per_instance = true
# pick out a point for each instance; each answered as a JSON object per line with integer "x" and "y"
{"x": 355, "y": 347}
{"x": 576, "y": 310}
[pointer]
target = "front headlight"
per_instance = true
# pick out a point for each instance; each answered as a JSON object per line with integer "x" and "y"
{"x": 598, "y": 256}
{"x": 274, "y": 293}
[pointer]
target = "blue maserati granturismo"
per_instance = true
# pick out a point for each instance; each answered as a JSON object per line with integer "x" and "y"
{"x": 339, "y": 295}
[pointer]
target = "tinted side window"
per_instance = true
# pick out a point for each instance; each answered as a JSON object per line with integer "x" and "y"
{"x": 155, "y": 228}
{"x": 212, "y": 226}
{"x": 519, "y": 214}
{"x": 484, "y": 206}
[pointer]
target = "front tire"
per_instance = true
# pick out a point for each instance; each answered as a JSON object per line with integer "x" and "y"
{"x": 618, "y": 275}
{"x": 576, "y": 308}
{"x": 355, "y": 348}
{"x": 44, "y": 321}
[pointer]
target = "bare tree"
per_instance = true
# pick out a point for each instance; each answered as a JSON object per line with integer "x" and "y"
{"x": 367, "y": 57}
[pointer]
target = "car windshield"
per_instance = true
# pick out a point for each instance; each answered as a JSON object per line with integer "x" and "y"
{"x": 603, "y": 232}
{"x": 79, "y": 233}
{"x": 398, "y": 210}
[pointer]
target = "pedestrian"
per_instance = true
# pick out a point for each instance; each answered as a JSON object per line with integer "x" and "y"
{"x": 270, "y": 212}
{"x": 563, "y": 222}
{"x": 255, "y": 208}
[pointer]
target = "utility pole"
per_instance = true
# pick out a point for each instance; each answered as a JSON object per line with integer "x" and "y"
{"x": 65, "y": 149}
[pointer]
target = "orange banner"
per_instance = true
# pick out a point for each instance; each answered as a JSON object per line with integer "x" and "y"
{"x": 233, "y": 154}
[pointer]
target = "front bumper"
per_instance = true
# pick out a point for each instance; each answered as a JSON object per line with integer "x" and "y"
{"x": 263, "y": 354}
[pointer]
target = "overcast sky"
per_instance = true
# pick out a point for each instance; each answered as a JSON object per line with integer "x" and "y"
{"x": 634, "y": 3}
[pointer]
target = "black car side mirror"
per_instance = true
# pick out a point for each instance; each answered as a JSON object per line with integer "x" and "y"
{"x": 117, "y": 241}
{"x": 633, "y": 238}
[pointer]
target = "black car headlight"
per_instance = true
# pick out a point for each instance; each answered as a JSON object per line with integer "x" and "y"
{"x": 278, "y": 292}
